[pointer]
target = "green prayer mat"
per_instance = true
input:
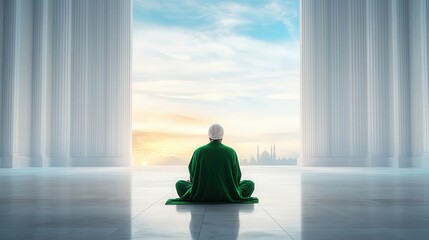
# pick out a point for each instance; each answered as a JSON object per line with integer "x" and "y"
{"x": 178, "y": 201}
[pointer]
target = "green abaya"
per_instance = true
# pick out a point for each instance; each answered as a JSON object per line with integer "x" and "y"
{"x": 214, "y": 178}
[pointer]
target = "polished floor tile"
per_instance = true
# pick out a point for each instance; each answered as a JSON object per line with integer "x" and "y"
{"x": 56, "y": 233}
{"x": 295, "y": 203}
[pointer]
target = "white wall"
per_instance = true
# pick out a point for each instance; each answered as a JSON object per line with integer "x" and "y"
{"x": 66, "y": 83}
{"x": 364, "y": 83}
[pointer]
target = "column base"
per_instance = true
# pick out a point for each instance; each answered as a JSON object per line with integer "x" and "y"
{"x": 15, "y": 161}
{"x": 58, "y": 161}
{"x": 402, "y": 162}
{"x": 332, "y": 161}
{"x": 381, "y": 161}
{"x": 38, "y": 161}
{"x": 347, "y": 162}
{"x": 420, "y": 161}
{"x": 101, "y": 161}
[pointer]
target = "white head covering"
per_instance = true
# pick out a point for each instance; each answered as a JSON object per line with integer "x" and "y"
{"x": 216, "y": 132}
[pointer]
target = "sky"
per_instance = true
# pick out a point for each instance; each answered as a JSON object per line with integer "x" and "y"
{"x": 195, "y": 63}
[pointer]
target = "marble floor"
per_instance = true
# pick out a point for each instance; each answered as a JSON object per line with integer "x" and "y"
{"x": 295, "y": 203}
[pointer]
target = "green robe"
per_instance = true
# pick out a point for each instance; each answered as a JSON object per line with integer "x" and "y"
{"x": 214, "y": 178}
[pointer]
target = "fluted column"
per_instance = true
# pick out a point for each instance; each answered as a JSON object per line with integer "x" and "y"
{"x": 322, "y": 102}
{"x": 425, "y": 73}
{"x": 358, "y": 83}
{"x": 316, "y": 100}
{"x": 9, "y": 94}
{"x": 39, "y": 85}
{"x": 101, "y": 98}
{"x": 97, "y": 58}
{"x": 379, "y": 114}
{"x": 418, "y": 12}
{"x": 61, "y": 59}
{"x": 374, "y": 77}
{"x": 416, "y": 78}
{"x": 119, "y": 139}
{"x": 307, "y": 86}
{"x": 338, "y": 75}
{"x": 79, "y": 89}
{"x": 401, "y": 83}
{"x": 24, "y": 84}
{"x": 1, "y": 77}
{"x": 65, "y": 94}
{"x": 333, "y": 85}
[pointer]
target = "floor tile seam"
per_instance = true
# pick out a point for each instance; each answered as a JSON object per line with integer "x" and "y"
{"x": 392, "y": 227}
{"x": 229, "y": 214}
{"x": 202, "y": 220}
{"x": 292, "y": 230}
{"x": 276, "y": 222}
{"x": 141, "y": 212}
{"x": 255, "y": 228}
{"x": 118, "y": 227}
{"x": 113, "y": 233}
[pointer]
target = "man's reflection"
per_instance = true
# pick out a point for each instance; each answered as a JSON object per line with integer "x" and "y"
{"x": 222, "y": 219}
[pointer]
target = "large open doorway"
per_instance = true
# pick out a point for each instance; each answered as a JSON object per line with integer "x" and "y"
{"x": 196, "y": 63}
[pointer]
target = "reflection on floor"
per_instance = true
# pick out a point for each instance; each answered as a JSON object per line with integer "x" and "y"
{"x": 295, "y": 203}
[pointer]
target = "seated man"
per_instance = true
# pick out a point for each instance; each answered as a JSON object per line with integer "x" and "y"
{"x": 214, "y": 175}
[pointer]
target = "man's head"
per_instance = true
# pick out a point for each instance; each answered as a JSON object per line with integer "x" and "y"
{"x": 216, "y": 132}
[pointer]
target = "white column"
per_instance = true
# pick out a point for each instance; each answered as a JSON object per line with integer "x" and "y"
{"x": 333, "y": 86}
{"x": 97, "y": 85}
{"x": 121, "y": 139}
{"x": 401, "y": 83}
{"x": 60, "y": 101}
{"x": 338, "y": 73}
{"x": 358, "y": 83}
{"x": 419, "y": 81}
{"x": 79, "y": 89}
{"x": 9, "y": 95}
{"x": 65, "y": 94}
{"x": 39, "y": 83}
{"x": 315, "y": 84}
{"x": 379, "y": 117}
{"x": 380, "y": 113}
{"x": 415, "y": 79}
{"x": 323, "y": 83}
{"x": 24, "y": 84}
{"x": 1, "y": 77}
{"x": 307, "y": 86}
{"x": 425, "y": 78}
{"x": 101, "y": 93}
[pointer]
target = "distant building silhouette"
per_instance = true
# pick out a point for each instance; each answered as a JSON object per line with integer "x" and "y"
{"x": 268, "y": 158}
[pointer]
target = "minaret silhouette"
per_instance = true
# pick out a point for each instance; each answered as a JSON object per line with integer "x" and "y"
{"x": 274, "y": 154}
{"x": 257, "y": 154}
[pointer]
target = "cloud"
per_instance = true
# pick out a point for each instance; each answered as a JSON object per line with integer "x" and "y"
{"x": 161, "y": 117}
{"x": 227, "y": 16}
{"x": 156, "y": 136}
{"x": 207, "y": 67}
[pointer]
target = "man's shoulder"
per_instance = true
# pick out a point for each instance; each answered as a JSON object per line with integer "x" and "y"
{"x": 228, "y": 148}
{"x": 210, "y": 146}
{"x": 201, "y": 148}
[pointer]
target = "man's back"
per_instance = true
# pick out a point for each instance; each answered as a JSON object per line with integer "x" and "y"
{"x": 215, "y": 173}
